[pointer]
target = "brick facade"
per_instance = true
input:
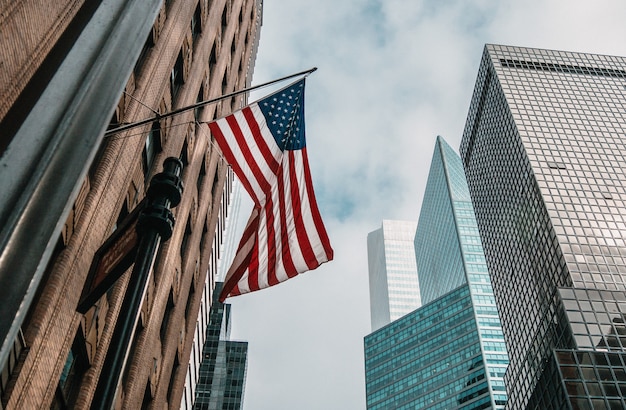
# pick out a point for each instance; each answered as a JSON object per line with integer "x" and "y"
{"x": 215, "y": 42}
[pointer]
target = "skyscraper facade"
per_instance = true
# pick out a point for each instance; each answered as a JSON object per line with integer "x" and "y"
{"x": 543, "y": 151}
{"x": 221, "y": 255}
{"x": 450, "y": 352}
{"x": 222, "y": 376}
{"x": 191, "y": 51}
{"x": 394, "y": 288}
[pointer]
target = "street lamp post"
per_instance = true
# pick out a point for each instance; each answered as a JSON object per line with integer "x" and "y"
{"x": 155, "y": 225}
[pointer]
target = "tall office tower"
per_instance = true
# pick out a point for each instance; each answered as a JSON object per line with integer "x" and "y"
{"x": 394, "y": 289}
{"x": 449, "y": 353}
{"x": 224, "y": 363}
{"x": 71, "y": 69}
{"x": 543, "y": 151}
{"x": 222, "y": 253}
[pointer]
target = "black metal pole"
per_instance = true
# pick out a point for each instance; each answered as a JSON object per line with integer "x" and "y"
{"x": 155, "y": 224}
{"x": 125, "y": 127}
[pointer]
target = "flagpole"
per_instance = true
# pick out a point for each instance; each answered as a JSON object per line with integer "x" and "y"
{"x": 203, "y": 103}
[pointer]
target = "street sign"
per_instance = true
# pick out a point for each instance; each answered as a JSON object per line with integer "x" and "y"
{"x": 110, "y": 262}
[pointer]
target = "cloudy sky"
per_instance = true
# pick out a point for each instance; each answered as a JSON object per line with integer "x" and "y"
{"x": 392, "y": 76}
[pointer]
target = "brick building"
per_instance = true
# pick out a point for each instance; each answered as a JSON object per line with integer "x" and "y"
{"x": 194, "y": 51}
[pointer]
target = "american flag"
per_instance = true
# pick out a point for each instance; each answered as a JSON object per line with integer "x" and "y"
{"x": 265, "y": 145}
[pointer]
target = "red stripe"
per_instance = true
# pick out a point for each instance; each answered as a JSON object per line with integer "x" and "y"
{"x": 247, "y": 155}
{"x": 317, "y": 217}
{"x": 290, "y": 268}
{"x": 271, "y": 241}
{"x": 297, "y": 205}
{"x": 271, "y": 162}
{"x": 230, "y": 157}
{"x": 253, "y": 267}
{"x": 235, "y": 276}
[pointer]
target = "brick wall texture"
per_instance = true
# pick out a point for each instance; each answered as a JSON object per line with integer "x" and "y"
{"x": 218, "y": 56}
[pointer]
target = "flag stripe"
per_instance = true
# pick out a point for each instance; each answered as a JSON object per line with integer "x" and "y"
{"x": 320, "y": 230}
{"x": 299, "y": 225}
{"x": 297, "y": 257}
{"x": 288, "y": 267}
{"x": 216, "y": 130}
{"x": 244, "y": 254}
{"x": 285, "y": 235}
{"x": 257, "y": 162}
{"x": 256, "y": 173}
{"x": 270, "y": 157}
{"x": 271, "y": 242}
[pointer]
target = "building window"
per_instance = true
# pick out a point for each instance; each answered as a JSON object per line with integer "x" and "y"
{"x": 75, "y": 366}
{"x": 152, "y": 147}
{"x": 201, "y": 177}
{"x": 196, "y": 22}
{"x": 170, "y": 386}
{"x": 184, "y": 245}
{"x": 184, "y": 157}
{"x": 166, "y": 318}
{"x": 212, "y": 58}
{"x": 147, "y": 398}
{"x": 144, "y": 54}
{"x": 198, "y": 110}
{"x": 176, "y": 78}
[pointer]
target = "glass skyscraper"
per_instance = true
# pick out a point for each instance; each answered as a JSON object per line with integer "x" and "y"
{"x": 222, "y": 373}
{"x": 449, "y": 353}
{"x": 394, "y": 288}
{"x": 544, "y": 154}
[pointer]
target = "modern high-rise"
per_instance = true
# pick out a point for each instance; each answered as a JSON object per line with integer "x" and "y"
{"x": 222, "y": 252}
{"x": 394, "y": 288}
{"x": 543, "y": 150}
{"x": 74, "y": 71}
{"x": 450, "y": 352}
{"x": 222, "y": 376}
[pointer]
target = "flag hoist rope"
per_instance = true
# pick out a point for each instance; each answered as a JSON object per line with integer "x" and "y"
{"x": 203, "y": 103}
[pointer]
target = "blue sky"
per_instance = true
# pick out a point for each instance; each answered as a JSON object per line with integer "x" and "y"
{"x": 392, "y": 76}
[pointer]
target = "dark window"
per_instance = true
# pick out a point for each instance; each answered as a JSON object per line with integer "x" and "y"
{"x": 172, "y": 378}
{"x": 152, "y": 147}
{"x": 224, "y": 20}
{"x": 147, "y": 398}
{"x": 196, "y": 22}
{"x": 184, "y": 157}
{"x": 121, "y": 216}
{"x": 176, "y": 79}
{"x": 198, "y": 110}
{"x": 185, "y": 242}
{"x": 71, "y": 376}
{"x": 144, "y": 54}
{"x": 200, "y": 180}
{"x": 166, "y": 318}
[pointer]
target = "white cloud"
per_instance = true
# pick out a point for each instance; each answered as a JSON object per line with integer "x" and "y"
{"x": 392, "y": 76}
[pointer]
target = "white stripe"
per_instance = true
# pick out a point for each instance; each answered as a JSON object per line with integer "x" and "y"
{"x": 251, "y": 144}
{"x": 281, "y": 274}
{"x": 263, "y": 251}
{"x": 307, "y": 216}
{"x": 296, "y": 251}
